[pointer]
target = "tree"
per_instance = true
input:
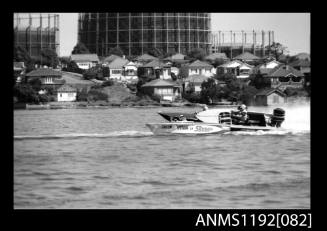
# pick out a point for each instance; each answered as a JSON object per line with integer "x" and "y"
{"x": 80, "y": 48}
{"x": 218, "y": 61}
{"x": 197, "y": 53}
{"x": 21, "y": 55}
{"x": 210, "y": 90}
{"x": 116, "y": 51}
{"x": 259, "y": 82}
{"x": 277, "y": 49}
{"x": 183, "y": 72}
{"x": 25, "y": 93}
{"x": 49, "y": 57}
{"x": 35, "y": 84}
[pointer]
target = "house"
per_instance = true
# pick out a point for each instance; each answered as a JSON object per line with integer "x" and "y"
{"x": 19, "y": 70}
{"x": 194, "y": 81}
{"x": 116, "y": 68}
{"x": 265, "y": 68}
{"x": 271, "y": 96}
{"x": 130, "y": 72}
{"x": 85, "y": 61}
{"x": 284, "y": 76}
{"x": 214, "y": 56}
{"x": 145, "y": 58}
{"x": 66, "y": 93}
{"x": 247, "y": 57}
{"x": 303, "y": 56}
{"x": 109, "y": 59}
{"x": 201, "y": 68}
{"x": 167, "y": 90}
{"x": 48, "y": 77}
{"x": 239, "y": 69}
{"x": 302, "y": 65}
{"x": 178, "y": 57}
{"x": 157, "y": 68}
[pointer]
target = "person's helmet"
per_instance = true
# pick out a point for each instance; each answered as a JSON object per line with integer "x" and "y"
{"x": 242, "y": 107}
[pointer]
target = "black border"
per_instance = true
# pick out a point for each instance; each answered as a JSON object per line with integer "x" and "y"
{"x": 151, "y": 219}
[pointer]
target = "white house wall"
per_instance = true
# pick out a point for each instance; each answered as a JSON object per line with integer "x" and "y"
{"x": 66, "y": 96}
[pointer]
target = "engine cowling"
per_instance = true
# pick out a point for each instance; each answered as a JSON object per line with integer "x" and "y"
{"x": 278, "y": 117}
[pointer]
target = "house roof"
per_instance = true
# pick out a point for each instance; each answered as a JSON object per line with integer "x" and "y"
{"x": 246, "y": 56}
{"x": 303, "y": 56}
{"x": 198, "y": 63}
{"x": 216, "y": 56}
{"x": 66, "y": 88}
{"x": 196, "y": 78}
{"x": 301, "y": 63}
{"x": 146, "y": 57}
{"x": 284, "y": 70}
{"x": 264, "y": 65}
{"x": 84, "y": 57}
{"x": 177, "y": 56}
{"x": 118, "y": 63}
{"x": 159, "y": 83}
{"x": 269, "y": 91}
{"x": 233, "y": 63}
{"x": 110, "y": 58}
{"x": 41, "y": 72}
{"x": 156, "y": 63}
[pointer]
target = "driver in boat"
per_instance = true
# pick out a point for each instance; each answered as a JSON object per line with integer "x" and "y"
{"x": 182, "y": 118}
{"x": 241, "y": 114}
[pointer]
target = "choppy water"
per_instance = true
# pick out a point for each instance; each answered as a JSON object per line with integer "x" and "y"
{"x": 107, "y": 158}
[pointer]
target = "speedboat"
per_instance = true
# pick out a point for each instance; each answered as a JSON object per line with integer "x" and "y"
{"x": 216, "y": 121}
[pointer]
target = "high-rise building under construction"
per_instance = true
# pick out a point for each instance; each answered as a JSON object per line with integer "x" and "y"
{"x": 36, "y": 31}
{"x": 135, "y": 33}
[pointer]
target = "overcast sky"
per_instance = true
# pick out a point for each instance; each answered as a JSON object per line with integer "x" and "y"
{"x": 290, "y": 29}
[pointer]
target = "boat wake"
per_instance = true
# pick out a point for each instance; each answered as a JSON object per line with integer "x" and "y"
{"x": 126, "y": 134}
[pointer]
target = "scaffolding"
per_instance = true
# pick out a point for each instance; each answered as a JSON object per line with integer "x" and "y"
{"x": 36, "y": 31}
{"x": 234, "y": 43}
{"x": 134, "y": 33}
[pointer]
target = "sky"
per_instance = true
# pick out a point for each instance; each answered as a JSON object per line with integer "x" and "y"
{"x": 290, "y": 29}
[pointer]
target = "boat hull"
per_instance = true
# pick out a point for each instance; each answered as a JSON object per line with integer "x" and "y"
{"x": 186, "y": 128}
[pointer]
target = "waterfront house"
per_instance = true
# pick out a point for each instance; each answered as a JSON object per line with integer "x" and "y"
{"x": 284, "y": 76}
{"x": 167, "y": 90}
{"x": 216, "y": 56}
{"x": 303, "y": 65}
{"x": 143, "y": 59}
{"x": 109, "y": 59}
{"x": 247, "y": 57}
{"x": 66, "y": 93}
{"x": 194, "y": 82}
{"x": 19, "y": 70}
{"x": 130, "y": 72}
{"x": 201, "y": 68}
{"x": 116, "y": 68}
{"x": 268, "y": 97}
{"x": 85, "y": 61}
{"x": 48, "y": 77}
{"x": 266, "y": 67}
{"x": 240, "y": 69}
{"x": 155, "y": 68}
{"x": 303, "y": 56}
{"x": 177, "y": 58}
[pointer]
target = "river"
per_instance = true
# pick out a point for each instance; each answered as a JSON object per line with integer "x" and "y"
{"x": 107, "y": 158}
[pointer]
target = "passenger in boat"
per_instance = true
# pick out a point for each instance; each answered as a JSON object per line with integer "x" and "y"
{"x": 205, "y": 107}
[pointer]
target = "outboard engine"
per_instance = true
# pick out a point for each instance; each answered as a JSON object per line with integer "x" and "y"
{"x": 278, "y": 117}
